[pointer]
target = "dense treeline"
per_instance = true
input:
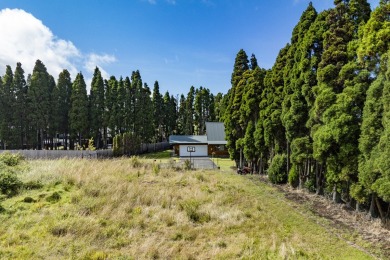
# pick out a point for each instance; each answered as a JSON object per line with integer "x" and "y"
{"x": 41, "y": 113}
{"x": 320, "y": 118}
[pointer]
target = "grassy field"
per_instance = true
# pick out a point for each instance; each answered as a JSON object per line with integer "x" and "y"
{"x": 131, "y": 209}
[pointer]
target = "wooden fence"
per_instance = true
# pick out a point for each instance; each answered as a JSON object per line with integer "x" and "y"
{"x": 98, "y": 154}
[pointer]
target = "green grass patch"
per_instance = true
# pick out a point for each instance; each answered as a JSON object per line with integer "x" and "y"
{"x": 158, "y": 155}
{"x": 225, "y": 164}
{"x": 110, "y": 209}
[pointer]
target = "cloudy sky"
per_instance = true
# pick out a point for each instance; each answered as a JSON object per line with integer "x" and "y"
{"x": 180, "y": 43}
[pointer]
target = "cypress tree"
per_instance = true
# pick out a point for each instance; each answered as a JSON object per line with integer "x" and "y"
{"x": 7, "y": 94}
{"x": 97, "y": 107}
{"x": 20, "y": 107}
{"x": 181, "y": 115}
{"x": 157, "y": 101}
{"x": 78, "y": 113}
{"x": 189, "y": 114}
{"x": 233, "y": 130}
{"x": 40, "y": 105}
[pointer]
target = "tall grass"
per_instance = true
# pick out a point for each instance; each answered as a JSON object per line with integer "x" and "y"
{"x": 126, "y": 208}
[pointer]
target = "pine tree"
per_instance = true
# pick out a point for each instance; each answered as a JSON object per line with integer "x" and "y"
{"x": 112, "y": 105}
{"x": 7, "y": 95}
{"x": 335, "y": 137}
{"x": 97, "y": 107}
{"x": 189, "y": 116}
{"x": 121, "y": 106}
{"x": 146, "y": 128}
{"x": 78, "y": 113}
{"x": 170, "y": 114}
{"x": 157, "y": 100}
{"x": 136, "y": 87}
{"x": 40, "y": 104}
{"x": 233, "y": 130}
{"x": 294, "y": 106}
{"x": 181, "y": 116}
{"x": 20, "y": 107}
{"x": 375, "y": 37}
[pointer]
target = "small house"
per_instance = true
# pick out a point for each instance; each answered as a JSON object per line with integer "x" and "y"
{"x": 211, "y": 144}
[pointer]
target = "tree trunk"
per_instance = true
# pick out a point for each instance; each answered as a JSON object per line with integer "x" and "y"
{"x": 300, "y": 178}
{"x": 336, "y": 195}
{"x": 319, "y": 179}
{"x": 378, "y": 205}
{"x": 288, "y": 157}
{"x": 373, "y": 211}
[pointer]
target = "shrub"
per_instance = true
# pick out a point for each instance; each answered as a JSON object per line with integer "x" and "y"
{"x": 9, "y": 182}
{"x": 10, "y": 159}
{"x": 293, "y": 177}
{"x": 135, "y": 162}
{"x": 191, "y": 207}
{"x": 28, "y": 200}
{"x": 156, "y": 168}
{"x": 32, "y": 185}
{"x": 277, "y": 172}
{"x": 54, "y": 197}
{"x": 187, "y": 164}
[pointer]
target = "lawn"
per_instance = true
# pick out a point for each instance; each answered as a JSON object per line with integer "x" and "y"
{"x": 134, "y": 209}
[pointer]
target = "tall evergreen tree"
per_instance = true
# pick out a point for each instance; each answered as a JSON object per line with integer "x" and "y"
{"x": 40, "y": 105}
{"x": 145, "y": 115}
{"x": 7, "y": 95}
{"x": 233, "y": 130}
{"x": 189, "y": 116}
{"x": 20, "y": 107}
{"x": 375, "y": 37}
{"x": 78, "y": 113}
{"x": 97, "y": 107}
{"x": 332, "y": 145}
{"x": 181, "y": 115}
{"x": 157, "y": 100}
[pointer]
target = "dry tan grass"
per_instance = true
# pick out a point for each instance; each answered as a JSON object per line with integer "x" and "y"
{"x": 126, "y": 209}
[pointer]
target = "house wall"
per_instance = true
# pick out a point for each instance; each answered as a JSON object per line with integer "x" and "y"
{"x": 218, "y": 150}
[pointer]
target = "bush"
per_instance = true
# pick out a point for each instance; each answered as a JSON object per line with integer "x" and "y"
{"x": 54, "y": 197}
{"x": 10, "y": 159}
{"x": 135, "y": 162}
{"x": 187, "y": 164}
{"x": 277, "y": 172}
{"x": 293, "y": 177}
{"x": 191, "y": 207}
{"x": 9, "y": 182}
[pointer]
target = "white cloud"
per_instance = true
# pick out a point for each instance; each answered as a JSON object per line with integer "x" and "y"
{"x": 24, "y": 38}
{"x": 94, "y": 60}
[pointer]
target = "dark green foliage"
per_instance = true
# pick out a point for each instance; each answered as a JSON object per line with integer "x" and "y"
{"x": 78, "y": 113}
{"x": 7, "y": 104}
{"x": 54, "y": 197}
{"x": 97, "y": 107}
{"x": 9, "y": 182}
{"x": 29, "y": 200}
{"x": 157, "y": 100}
{"x": 126, "y": 144}
{"x": 20, "y": 122}
{"x": 191, "y": 207}
{"x": 61, "y": 105}
{"x": 40, "y": 103}
{"x": 277, "y": 170}
{"x": 10, "y": 159}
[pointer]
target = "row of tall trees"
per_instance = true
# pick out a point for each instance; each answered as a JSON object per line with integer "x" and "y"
{"x": 321, "y": 114}
{"x": 36, "y": 112}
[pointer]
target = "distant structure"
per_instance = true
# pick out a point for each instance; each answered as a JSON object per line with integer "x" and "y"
{"x": 211, "y": 144}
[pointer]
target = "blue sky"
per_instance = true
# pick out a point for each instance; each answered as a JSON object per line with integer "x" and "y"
{"x": 180, "y": 43}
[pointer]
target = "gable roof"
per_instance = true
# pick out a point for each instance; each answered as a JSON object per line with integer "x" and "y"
{"x": 188, "y": 139}
{"x": 215, "y": 133}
